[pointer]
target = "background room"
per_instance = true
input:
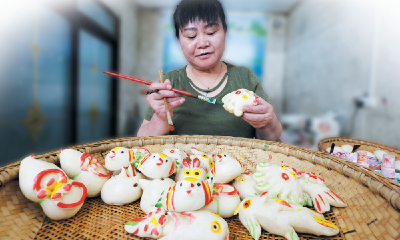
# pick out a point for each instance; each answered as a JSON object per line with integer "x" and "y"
{"x": 329, "y": 67}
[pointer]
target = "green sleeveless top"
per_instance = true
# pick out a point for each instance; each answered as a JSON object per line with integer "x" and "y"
{"x": 196, "y": 117}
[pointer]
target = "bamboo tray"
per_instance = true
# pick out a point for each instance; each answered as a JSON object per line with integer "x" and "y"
{"x": 372, "y": 212}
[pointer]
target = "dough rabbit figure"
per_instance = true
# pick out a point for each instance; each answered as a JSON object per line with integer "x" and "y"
{"x": 225, "y": 200}
{"x": 186, "y": 196}
{"x": 235, "y": 101}
{"x": 198, "y": 225}
{"x": 191, "y": 171}
{"x": 123, "y": 188}
{"x": 226, "y": 168}
{"x": 206, "y": 160}
{"x": 246, "y": 186}
{"x": 321, "y": 195}
{"x": 120, "y": 157}
{"x": 156, "y": 165}
{"x": 86, "y": 169}
{"x": 279, "y": 217}
{"x": 152, "y": 190}
{"x": 177, "y": 154}
{"x": 48, "y": 185}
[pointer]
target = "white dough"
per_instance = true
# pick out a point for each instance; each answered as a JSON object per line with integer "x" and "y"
{"x": 336, "y": 149}
{"x": 198, "y": 225}
{"x": 246, "y": 185}
{"x": 83, "y": 168}
{"x": 123, "y": 188}
{"x": 226, "y": 168}
{"x": 347, "y": 148}
{"x": 279, "y": 217}
{"x": 236, "y": 100}
{"x": 152, "y": 190}
{"x": 225, "y": 202}
{"x": 53, "y": 182}
{"x": 379, "y": 154}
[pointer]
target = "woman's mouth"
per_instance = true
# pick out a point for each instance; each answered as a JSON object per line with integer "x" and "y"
{"x": 204, "y": 55}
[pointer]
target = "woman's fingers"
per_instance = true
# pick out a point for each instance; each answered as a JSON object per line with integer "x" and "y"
{"x": 161, "y": 86}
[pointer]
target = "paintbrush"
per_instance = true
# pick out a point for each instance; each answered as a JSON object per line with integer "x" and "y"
{"x": 179, "y": 91}
{"x": 170, "y": 123}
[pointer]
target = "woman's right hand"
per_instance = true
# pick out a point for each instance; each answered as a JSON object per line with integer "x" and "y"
{"x": 156, "y": 100}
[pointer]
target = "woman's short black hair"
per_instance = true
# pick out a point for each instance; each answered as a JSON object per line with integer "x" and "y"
{"x": 205, "y": 10}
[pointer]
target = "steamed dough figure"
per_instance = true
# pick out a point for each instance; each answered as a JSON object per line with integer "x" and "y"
{"x": 321, "y": 195}
{"x": 206, "y": 160}
{"x": 177, "y": 154}
{"x": 225, "y": 200}
{"x": 152, "y": 191}
{"x": 120, "y": 157}
{"x": 246, "y": 185}
{"x": 226, "y": 168}
{"x": 191, "y": 171}
{"x": 280, "y": 182}
{"x": 186, "y": 196}
{"x": 48, "y": 185}
{"x": 235, "y": 101}
{"x": 198, "y": 225}
{"x": 156, "y": 165}
{"x": 122, "y": 188}
{"x": 279, "y": 217}
{"x": 86, "y": 169}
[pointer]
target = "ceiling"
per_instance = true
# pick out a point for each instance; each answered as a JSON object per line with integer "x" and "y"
{"x": 230, "y": 5}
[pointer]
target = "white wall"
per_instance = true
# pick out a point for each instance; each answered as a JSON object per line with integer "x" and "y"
{"x": 329, "y": 62}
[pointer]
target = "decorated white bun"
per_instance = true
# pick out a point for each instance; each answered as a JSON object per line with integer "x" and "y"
{"x": 48, "y": 185}
{"x": 152, "y": 190}
{"x": 123, "y": 188}
{"x": 86, "y": 169}
{"x": 198, "y": 225}
{"x": 347, "y": 148}
{"x": 379, "y": 154}
{"x": 236, "y": 100}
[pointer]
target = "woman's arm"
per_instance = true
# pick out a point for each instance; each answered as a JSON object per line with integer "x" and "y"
{"x": 263, "y": 118}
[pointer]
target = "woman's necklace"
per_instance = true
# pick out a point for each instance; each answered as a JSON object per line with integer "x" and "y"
{"x": 207, "y": 92}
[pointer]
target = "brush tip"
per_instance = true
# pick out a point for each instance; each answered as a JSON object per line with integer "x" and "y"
{"x": 171, "y": 128}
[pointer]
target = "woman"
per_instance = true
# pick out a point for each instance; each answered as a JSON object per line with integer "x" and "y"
{"x": 201, "y": 30}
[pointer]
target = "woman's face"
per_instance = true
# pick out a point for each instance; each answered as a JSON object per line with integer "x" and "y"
{"x": 202, "y": 43}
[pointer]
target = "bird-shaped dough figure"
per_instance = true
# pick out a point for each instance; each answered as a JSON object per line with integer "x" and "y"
{"x": 198, "y": 225}
{"x": 279, "y": 217}
{"x": 45, "y": 183}
{"x": 177, "y": 154}
{"x": 246, "y": 185}
{"x": 225, "y": 200}
{"x": 226, "y": 168}
{"x": 191, "y": 171}
{"x": 186, "y": 196}
{"x": 156, "y": 165}
{"x": 206, "y": 160}
{"x": 86, "y": 169}
{"x": 152, "y": 191}
{"x": 235, "y": 101}
{"x": 120, "y": 157}
{"x": 320, "y": 194}
{"x": 280, "y": 182}
{"x": 123, "y": 188}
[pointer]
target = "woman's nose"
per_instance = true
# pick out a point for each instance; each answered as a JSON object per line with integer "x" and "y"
{"x": 203, "y": 42}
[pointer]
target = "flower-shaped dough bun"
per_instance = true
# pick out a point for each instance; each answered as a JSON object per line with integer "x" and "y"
{"x": 235, "y": 101}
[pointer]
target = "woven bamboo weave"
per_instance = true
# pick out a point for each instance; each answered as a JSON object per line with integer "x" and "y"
{"x": 372, "y": 212}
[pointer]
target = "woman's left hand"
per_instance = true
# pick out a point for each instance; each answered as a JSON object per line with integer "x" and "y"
{"x": 260, "y": 115}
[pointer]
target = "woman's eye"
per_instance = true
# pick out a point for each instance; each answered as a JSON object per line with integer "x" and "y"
{"x": 211, "y": 33}
{"x": 191, "y": 37}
